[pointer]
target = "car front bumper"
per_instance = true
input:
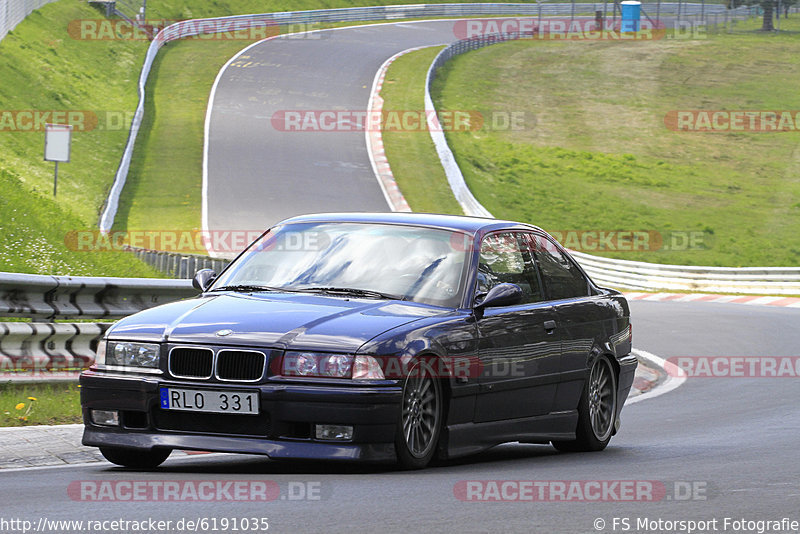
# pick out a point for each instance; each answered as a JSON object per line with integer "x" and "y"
{"x": 284, "y": 427}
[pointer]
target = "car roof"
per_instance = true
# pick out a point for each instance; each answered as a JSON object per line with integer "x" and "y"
{"x": 471, "y": 225}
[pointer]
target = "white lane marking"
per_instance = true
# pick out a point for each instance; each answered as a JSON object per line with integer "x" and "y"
{"x": 691, "y": 297}
{"x": 751, "y": 300}
{"x": 675, "y": 377}
{"x": 43, "y": 467}
{"x": 101, "y": 462}
{"x": 762, "y": 300}
{"x": 34, "y": 428}
{"x": 726, "y": 298}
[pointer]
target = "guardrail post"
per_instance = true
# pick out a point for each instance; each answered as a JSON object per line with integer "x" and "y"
{"x": 173, "y": 262}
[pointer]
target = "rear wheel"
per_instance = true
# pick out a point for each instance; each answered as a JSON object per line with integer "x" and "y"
{"x": 420, "y": 422}
{"x": 135, "y": 457}
{"x": 596, "y": 410}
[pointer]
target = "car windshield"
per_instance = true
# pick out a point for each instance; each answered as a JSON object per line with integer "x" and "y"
{"x": 371, "y": 260}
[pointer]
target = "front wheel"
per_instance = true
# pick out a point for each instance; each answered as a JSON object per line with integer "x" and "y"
{"x": 420, "y": 422}
{"x": 135, "y": 457}
{"x": 596, "y": 410}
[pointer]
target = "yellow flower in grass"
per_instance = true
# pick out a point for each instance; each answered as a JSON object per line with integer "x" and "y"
{"x": 32, "y": 398}
{"x": 19, "y": 406}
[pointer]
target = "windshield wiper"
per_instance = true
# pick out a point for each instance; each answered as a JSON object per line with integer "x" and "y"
{"x": 352, "y": 291}
{"x": 249, "y": 288}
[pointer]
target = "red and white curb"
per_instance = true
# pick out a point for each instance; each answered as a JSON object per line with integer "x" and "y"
{"x": 787, "y": 302}
{"x": 374, "y": 138}
{"x": 654, "y": 377}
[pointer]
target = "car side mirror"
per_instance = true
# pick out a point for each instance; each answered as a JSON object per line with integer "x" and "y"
{"x": 501, "y": 295}
{"x": 203, "y": 279}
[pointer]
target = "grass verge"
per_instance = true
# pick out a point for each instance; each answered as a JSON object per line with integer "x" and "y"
{"x": 594, "y": 153}
{"x": 39, "y": 404}
{"x": 44, "y": 69}
{"x": 164, "y": 186}
{"x": 34, "y": 230}
{"x": 415, "y": 164}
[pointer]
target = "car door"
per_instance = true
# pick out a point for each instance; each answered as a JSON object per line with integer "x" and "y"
{"x": 578, "y": 315}
{"x": 518, "y": 346}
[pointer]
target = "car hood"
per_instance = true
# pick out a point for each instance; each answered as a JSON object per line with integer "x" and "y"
{"x": 289, "y": 321}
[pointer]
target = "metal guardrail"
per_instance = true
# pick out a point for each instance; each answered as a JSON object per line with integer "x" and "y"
{"x": 45, "y": 350}
{"x": 45, "y": 297}
{"x": 193, "y": 27}
{"x": 455, "y": 178}
{"x": 623, "y": 274}
{"x": 12, "y": 12}
{"x": 178, "y": 265}
{"x": 626, "y": 274}
{"x": 130, "y": 9}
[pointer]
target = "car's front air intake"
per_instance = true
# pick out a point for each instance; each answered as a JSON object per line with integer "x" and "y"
{"x": 240, "y": 365}
{"x": 188, "y": 362}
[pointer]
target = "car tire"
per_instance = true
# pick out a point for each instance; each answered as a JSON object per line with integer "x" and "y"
{"x": 596, "y": 410}
{"x": 420, "y": 422}
{"x": 139, "y": 458}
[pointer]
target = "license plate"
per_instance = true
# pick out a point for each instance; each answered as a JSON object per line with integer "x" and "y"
{"x": 203, "y": 400}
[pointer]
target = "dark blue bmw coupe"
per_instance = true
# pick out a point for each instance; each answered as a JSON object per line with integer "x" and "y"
{"x": 395, "y": 336}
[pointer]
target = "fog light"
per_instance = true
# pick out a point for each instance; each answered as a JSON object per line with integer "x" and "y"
{"x": 105, "y": 417}
{"x": 334, "y": 432}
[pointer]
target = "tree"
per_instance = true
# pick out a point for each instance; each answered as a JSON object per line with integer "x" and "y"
{"x": 769, "y": 7}
{"x": 772, "y": 11}
{"x": 769, "y": 15}
{"x": 785, "y": 5}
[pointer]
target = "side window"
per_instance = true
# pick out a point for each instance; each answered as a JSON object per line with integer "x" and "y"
{"x": 560, "y": 275}
{"x": 506, "y": 257}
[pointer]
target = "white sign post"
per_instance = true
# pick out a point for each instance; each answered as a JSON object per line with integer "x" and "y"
{"x": 57, "y": 139}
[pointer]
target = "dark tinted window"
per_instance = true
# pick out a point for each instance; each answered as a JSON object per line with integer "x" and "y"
{"x": 506, "y": 257}
{"x": 561, "y": 277}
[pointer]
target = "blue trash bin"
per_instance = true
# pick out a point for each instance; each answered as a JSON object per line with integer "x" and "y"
{"x": 631, "y": 14}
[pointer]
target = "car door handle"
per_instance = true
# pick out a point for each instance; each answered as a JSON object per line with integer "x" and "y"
{"x": 549, "y": 326}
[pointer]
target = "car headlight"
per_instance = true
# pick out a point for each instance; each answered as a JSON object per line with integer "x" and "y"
{"x": 128, "y": 354}
{"x": 320, "y": 365}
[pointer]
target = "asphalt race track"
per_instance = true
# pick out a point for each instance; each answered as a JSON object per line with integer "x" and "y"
{"x": 734, "y": 440}
{"x": 258, "y": 174}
